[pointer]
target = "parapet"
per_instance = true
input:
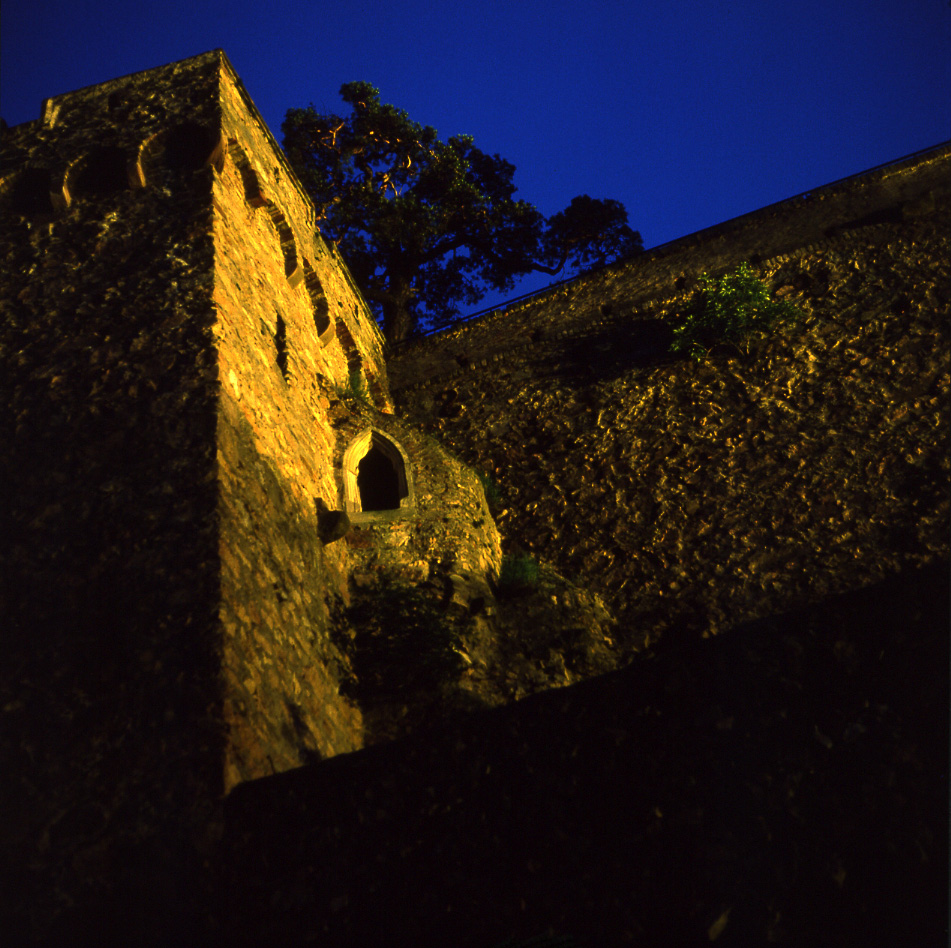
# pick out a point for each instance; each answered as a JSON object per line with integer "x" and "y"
{"x": 623, "y": 293}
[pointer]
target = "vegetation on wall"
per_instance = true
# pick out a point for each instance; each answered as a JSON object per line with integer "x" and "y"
{"x": 398, "y": 641}
{"x": 519, "y": 574}
{"x": 730, "y": 309}
{"x": 425, "y": 224}
{"x": 355, "y": 388}
{"x": 493, "y": 494}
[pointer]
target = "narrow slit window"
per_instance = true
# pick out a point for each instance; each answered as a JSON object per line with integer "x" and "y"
{"x": 280, "y": 342}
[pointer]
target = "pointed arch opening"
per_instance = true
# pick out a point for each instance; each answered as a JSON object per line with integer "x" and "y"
{"x": 377, "y": 478}
{"x": 29, "y": 193}
{"x": 378, "y": 481}
{"x": 101, "y": 173}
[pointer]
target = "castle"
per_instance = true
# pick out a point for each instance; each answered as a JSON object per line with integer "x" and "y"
{"x": 239, "y": 540}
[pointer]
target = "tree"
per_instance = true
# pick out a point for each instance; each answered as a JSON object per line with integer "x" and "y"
{"x": 425, "y": 225}
{"x": 588, "y": 233}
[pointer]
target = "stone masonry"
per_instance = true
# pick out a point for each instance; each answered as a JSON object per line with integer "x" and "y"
{"x": 240, "y": 538}
{"x": 174, "y": 336}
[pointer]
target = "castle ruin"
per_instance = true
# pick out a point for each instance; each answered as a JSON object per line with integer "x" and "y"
{"x": 216, "y": 482}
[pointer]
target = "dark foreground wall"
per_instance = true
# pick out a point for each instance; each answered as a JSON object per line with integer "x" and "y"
{"x": 785, "y": 782}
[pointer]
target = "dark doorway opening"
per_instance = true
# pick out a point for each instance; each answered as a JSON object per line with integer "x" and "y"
{"x": 378, "y": 482}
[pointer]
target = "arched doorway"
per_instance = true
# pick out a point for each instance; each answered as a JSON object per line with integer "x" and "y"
{"x": 377, "y": 481}
{"x": 376, "y": 475}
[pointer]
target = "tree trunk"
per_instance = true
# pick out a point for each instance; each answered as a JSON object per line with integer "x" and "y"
{"x": 399, "y": 320}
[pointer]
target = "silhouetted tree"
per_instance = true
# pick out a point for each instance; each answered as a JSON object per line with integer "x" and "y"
{"x": 425, "y": 225}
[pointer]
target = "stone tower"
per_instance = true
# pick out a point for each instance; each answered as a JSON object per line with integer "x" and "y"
{"x": 174, "y": 334}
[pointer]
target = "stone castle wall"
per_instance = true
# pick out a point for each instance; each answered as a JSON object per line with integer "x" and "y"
{"x": 171, "y": 331}
{"x": 293, "y": 334}
{"x": 698, "y": 495}
{"x": 109, "y": 538}
{"x": 625, "y": 295}
{"x": 290, "y": 330}
{"x": 785, "y": 782}
{"x": 176, "y": 342}
{"x": 180, "y": 367}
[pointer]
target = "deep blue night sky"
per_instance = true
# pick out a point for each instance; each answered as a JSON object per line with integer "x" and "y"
{"x": 690, "y": 112}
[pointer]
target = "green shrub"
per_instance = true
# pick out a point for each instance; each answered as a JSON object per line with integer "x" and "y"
{"x": 493, "y": 495}
{"x": 519, "y": 573}
{"x": 730, "y": 309}
{"x": 356, "y": 387}
{"x": 400, "y": 640}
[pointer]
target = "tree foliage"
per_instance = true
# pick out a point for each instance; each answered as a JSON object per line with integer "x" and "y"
{"x": 427, "y": 225}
